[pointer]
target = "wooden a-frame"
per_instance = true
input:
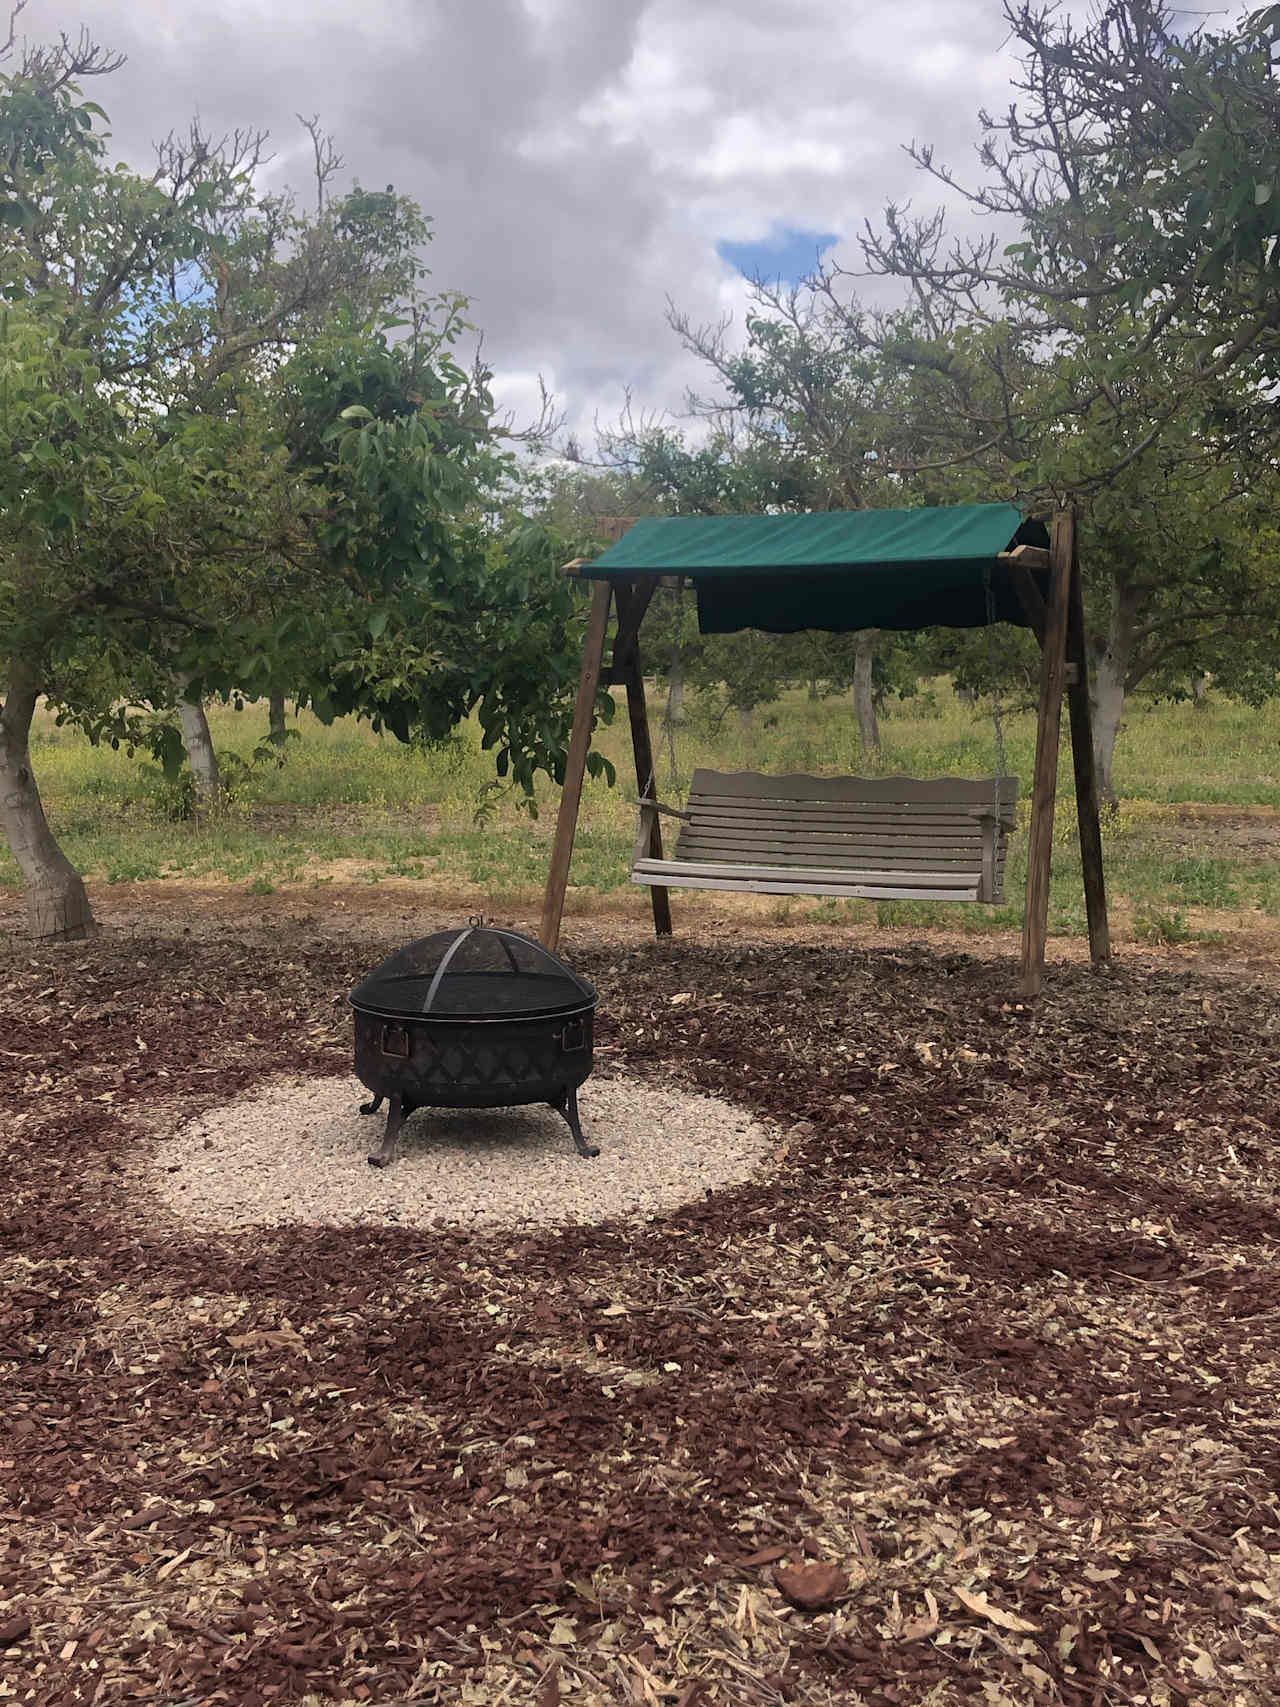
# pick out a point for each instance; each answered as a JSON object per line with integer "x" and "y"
{"x": 624, "y": 671}
{"x": 1063, "y": 664}
{"x": 1059, "y": 627}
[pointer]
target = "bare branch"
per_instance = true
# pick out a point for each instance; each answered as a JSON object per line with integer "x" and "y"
{"x": 151, "y": 609}
{"x": 328, "y": 162}
{"x": 53, "y": 67}
{"x": 15, "y": 13}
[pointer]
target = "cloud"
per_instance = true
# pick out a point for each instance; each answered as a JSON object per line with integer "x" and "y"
{"x": 583, "y": 160}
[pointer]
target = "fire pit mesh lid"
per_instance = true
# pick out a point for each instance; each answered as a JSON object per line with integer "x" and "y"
{"x": 477, "y": 973}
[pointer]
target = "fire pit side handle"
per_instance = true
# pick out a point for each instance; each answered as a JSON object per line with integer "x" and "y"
{"x": 572, "y": 1037}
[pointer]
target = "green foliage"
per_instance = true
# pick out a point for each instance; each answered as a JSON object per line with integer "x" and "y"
{"x": 1217, "y": 214}
{"x": 1135, "y": 320}
{"x": 434, "y": 607}
{"x": 1155, "y": 924}
{"x": 170, "y": 786}
{"x": 241, "y": 453}
{"x": 173, "y": 797}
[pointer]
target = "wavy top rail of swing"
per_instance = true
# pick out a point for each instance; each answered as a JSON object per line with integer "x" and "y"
{"x": 838, "y": 570}
{"x": 801, "y": 790}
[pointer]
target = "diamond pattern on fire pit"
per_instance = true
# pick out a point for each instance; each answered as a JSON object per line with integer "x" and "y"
{"x": 454, "y": 1063}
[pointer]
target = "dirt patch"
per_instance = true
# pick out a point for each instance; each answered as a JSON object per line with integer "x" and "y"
{"x": 409, "y": 907}
{"x": 1252, "y": 831}
{"x": 355, "y": 816}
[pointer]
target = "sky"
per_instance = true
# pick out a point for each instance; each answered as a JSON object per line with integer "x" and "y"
{"x": 585, "y": 162}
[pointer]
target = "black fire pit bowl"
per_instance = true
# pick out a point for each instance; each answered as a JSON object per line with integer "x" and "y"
{"x": 474, "y": 1018}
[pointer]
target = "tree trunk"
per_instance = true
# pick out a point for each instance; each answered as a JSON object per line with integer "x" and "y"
{"x": 57, "y": 905}
{"x": 864, "y": 704}
{"x": 1110, "y": 682}
{"x": 199, "y": 744}
{"x": 275, "y": 714}
{"x": 675, "y": 692}
{"x": 1200, "y": 691}
{"x": 813, "y": 689}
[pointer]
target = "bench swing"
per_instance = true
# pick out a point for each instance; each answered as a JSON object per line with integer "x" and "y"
{"x": 894, "y": 838}
{"x": 879, "y": 838}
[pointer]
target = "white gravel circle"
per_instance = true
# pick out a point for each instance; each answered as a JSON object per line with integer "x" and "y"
{"x": 295, "y": 1152}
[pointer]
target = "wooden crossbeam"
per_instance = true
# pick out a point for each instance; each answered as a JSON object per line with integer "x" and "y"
{"x": 1028, "y": 556}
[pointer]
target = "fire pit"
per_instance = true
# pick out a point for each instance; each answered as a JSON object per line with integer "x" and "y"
{"x": 474, "y": 1018}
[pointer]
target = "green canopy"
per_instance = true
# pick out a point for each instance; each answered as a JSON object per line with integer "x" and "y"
{"x": 837, "y": 570}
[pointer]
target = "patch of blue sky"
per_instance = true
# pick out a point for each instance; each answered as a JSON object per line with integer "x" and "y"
{"x": 143, "y": 303}
{"x": 789, "y": 254}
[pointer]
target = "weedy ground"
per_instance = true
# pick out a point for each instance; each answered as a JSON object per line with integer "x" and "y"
{"x": 1192, "y": 853}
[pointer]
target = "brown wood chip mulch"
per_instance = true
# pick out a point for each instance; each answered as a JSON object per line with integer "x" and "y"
{"x": 973, "y": 1398}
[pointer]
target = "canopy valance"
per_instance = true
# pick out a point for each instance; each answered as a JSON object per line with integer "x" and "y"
{"x": 835, "y": 570}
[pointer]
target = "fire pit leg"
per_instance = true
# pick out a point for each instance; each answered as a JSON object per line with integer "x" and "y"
{"x": 397, "y": 1114}
{"x": 566, "y": 1105}
{"x": 371, "y": 1107}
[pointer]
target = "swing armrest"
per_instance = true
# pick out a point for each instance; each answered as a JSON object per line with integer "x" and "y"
{"x": 647, "y": 826}
{"x": 647, "y": 805}
{"x": 1007, "y": 820}
{"x": 993, "y": 819}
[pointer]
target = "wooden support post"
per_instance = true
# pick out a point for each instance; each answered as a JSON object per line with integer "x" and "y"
{"x": 643, "y": 749}
{"x": 575, "y": 766}
{"x": 1044, "y": 788}
{"x": 633, "y": 602}
{"x": 1081, "y": 714}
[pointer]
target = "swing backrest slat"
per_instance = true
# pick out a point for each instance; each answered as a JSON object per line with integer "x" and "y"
{"x": 935, "y": 825}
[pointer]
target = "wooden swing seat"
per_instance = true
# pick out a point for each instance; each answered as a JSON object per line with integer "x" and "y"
{"x": 864, "y": 838}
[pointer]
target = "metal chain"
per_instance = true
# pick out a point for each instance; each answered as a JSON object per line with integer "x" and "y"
{"x": 992, "y": 666}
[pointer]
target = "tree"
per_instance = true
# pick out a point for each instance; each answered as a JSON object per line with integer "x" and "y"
{"x": 224, "y": 457}
{"x": 1124, "y": 347}
{"x": 269, "y": 277}
{"x": 1115, "y": 338}
{"x": 1174, "y": 542}
{"x": 1138, "y": 173}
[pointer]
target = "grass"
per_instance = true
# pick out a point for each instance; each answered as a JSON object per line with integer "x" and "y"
{"x": 347, "y": 803}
